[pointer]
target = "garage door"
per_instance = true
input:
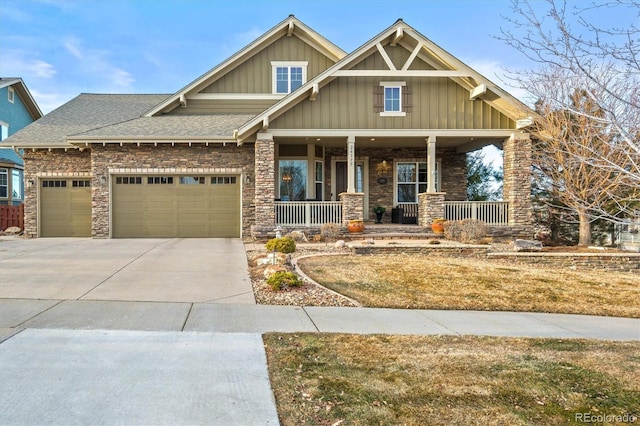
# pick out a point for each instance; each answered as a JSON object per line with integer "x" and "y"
{"x": 176, "y": 206}
{"x": 65, "y": 208}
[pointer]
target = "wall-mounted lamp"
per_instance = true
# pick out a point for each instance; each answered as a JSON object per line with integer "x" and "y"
{"x": 103, "y": 180}
{"x": 30, "y": 183}
{"x": 382, "y": 168}
{"x": 247, "y": 179}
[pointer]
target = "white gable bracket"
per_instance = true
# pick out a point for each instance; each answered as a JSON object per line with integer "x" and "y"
{"x": 315, "y": 89}
{"x": 265, "y": 122}
{"x": 290, "y": 29}
{"x": 386, "y": 57}
{"x": 478, "y": 91}
{"x": 397, "y": 36}
{"x": 183, "y": 101}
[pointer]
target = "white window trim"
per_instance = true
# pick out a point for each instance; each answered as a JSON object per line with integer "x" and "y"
{"x": 287, "y": 64}
{"x": 4, "y": 130}
{"x": 414, "y": 160}
{"x": 400, "y": 85}
{"x": 11, "y": 94}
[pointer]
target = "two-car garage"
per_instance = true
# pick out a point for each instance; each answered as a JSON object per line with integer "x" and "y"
{"x": 146, "y": 206}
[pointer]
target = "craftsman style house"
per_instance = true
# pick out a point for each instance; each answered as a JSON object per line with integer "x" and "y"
{"x": 290, "y": 131}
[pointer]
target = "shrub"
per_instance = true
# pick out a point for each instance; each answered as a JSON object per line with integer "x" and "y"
{"x": 329, "y": 231}
{"x": 283, "y": 279}
{"x": 465, "y": 231}
{"x": 281, "y": 245}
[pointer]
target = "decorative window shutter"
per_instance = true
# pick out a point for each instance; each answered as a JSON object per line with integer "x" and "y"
{"x": 407, "y": 99}
{"x": 378, "y": 98}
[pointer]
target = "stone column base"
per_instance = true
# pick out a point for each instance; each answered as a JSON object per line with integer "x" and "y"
{"x": 430, "y": 206}
{"x": 352, "y": 206}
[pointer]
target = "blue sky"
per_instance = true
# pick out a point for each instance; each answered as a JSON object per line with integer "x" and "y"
{"x": 65, "y": 47}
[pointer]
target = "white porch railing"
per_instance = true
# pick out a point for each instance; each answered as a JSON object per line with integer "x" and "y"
{"x": 308, "y": 213}
{"x": 494, "y": 213}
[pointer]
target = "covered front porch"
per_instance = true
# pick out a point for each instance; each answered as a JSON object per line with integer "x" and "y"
{"x": 310, "y": 179}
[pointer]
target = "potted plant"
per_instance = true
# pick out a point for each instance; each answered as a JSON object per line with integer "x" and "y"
{"x": 355, "y": 226}
{"x": 379, "y": 211}
{"x": 437, "y": 225}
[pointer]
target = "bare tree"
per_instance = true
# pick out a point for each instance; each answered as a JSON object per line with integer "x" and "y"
{"x": 562, "y": 140}
{"x": 574, "y": 53}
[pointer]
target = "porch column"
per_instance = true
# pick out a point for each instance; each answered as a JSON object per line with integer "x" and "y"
{"x": 265, "y": 184}
{"x": 516, "y": 189}
{"x": 351, "y": 164}
{"x": 431, "y": 164}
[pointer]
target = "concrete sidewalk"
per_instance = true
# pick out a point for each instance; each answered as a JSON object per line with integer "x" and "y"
{"x": 244, "y": 318}
{"x": 99, "y": 362}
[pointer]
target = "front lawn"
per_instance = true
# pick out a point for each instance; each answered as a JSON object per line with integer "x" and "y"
{"x": 436, "y": 282}
{"x": 324, "y": 379}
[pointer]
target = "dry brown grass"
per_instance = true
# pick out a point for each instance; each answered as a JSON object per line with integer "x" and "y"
{"x": 428, "y": 282}
{"x": 440, "y": 380}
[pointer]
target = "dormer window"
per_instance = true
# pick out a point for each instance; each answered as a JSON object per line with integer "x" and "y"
{"x": 288, "y": 76}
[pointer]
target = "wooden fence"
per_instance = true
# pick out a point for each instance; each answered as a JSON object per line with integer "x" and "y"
{"x": 11, "y": 216}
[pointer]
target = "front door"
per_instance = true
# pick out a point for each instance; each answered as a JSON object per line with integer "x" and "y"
{"x": 340, "y": 182}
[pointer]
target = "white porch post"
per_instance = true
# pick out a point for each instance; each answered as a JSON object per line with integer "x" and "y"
{"x": 351, "y": 164}
{"x": 431, "y": 164}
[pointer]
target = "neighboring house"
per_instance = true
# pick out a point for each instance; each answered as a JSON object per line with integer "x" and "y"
{"x": 289, "y": 131}
{"x": 17, "y": 110}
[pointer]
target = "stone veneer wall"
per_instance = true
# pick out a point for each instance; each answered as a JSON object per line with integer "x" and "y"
{"x": 352, "y": 206}
{"x": 165, "y": 158}
{"x": 626, "y": 262}
{"x": 454, "y": 172}
{"x": 265, "y": 187}
{"x": 44, "y": 163}
{"x": 430, "y": 206}
{"x": 517, "y": 180}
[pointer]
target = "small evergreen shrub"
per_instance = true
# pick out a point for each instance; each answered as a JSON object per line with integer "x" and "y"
{"x": 283, "y": 279}
{"x": 281, "y": 245}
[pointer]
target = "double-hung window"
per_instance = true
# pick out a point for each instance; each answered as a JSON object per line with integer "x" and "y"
{"x": 4, "y": 183}
{"x": 412, "y": 179}
{"x": 393, "y": 98}
{"x": 288, "y": 76}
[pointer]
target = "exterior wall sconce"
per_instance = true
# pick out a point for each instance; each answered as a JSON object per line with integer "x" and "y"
{"x": 383, "y": 168}
{"x": 103, "y": 180}
{"x": 247, "y": 179}
{"x": 30, "y": 183}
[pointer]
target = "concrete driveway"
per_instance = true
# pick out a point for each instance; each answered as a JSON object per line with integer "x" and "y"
{"x": 140, "y": 270}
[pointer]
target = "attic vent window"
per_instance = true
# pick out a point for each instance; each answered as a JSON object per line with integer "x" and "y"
{"x": 11, "y": 95}
{"x": 288, "y": 76}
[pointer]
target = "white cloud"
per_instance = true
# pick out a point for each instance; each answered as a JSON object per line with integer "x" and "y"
{"x": 50, "y": 100}
{"x": 94, "y": 64}
{"x": 17, "y": 63}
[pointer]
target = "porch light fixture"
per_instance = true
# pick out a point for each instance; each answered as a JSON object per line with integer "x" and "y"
{"x": 286, "y": 177}
{"x": 382, "y": 168}
{"x": 103, "y": 180}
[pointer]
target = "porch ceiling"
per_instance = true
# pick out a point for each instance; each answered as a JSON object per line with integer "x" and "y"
{"x": 461, "y": 143}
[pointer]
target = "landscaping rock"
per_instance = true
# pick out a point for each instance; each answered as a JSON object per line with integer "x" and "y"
{"x": 527, "y": 245}
{"x": 340, "y": 244}
{"x": 12, "y": 230}
{"x": 272, "y": 269}
{"x": 299, "y": 236}
{"x": 271, "y": 259}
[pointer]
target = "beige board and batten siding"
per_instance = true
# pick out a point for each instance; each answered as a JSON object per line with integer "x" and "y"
{"x": 436, "y": 103}
{"x": 254, "y": 75}
{"x": 65, "y": 207}
{"x": 167, "y": 207}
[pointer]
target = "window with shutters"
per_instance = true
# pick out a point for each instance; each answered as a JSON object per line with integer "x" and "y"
{"x": 392, "y": 99}
{"x": 288, "y": 76}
